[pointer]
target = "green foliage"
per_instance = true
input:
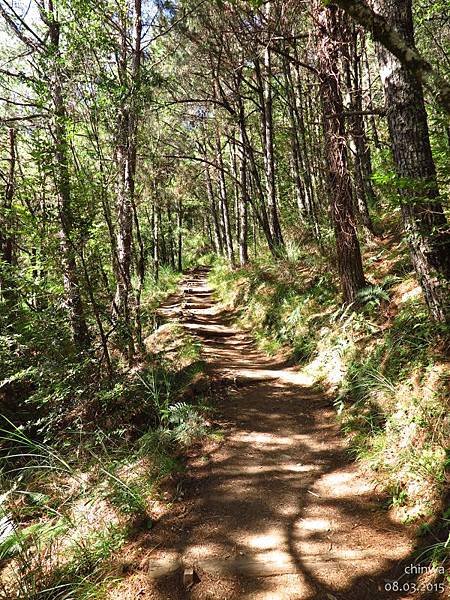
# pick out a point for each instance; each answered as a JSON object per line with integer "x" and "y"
{"x": 396, "y": 423}
{"x": 184, "y": 423}
{"x": 88, "y": 553}
{"x": 406, "y": 345}
{"x": 105, "y": 424}
{"x": 372, "y": 296}
{"x": 15, "y": 541}
{"x": 42, "y": 573}
{"x": 155, "y": 292}
{"x": 46, "y": 480}
{"x": 279, "y": 310}
{"x": 122, "y": 473}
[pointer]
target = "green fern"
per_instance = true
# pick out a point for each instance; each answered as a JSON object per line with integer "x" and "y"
{"x": 373, "y": 294}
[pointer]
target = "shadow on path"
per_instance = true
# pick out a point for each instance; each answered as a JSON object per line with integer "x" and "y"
{"x": 280, "y": 490}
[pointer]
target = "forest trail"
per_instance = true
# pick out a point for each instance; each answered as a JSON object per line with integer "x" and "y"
{"x": 278, "y": 497}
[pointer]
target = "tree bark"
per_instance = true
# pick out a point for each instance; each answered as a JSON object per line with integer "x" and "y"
{"x": 126, "y": 151}
{"x": 329, "y": 35}
{"x": 264, "y": 77}
{"x": 301, "y": 165}
{"x": 259, "y": 211}
{"x": 242, "y": 216}
{"x": 224, "y": 200}
{"x": 180, "y": 235}
{"x": 424, "y": 221}
{"x": 218, "y": 243}
{"x": 156, "y": 256}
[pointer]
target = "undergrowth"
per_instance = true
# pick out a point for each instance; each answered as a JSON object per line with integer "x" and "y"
{"x": 76, "y": 482}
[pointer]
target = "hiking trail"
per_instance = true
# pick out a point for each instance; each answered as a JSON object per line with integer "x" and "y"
{"x": 277, "y": 509}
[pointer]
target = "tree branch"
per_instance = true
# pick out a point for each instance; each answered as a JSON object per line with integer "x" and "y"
{"x": 389, "y": 37}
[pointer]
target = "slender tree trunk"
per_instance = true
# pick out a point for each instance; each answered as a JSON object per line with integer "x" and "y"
{"x": 209, "y": 230}
{"x": 180, "y": 235}
{"x": 98, "y": 319}
{"x": 424, "y": 221}
{"x": 370, "y": 104}
{"x": 304, "y": 150}
{"x": 156, "y": 257}
{"x": 364, "y": 154}
{"x": 72, "y": 288}
{"x": 314, "y": 151}
{"x": 170, "y": 236}
{"x": 162, "y": 238}
{"x": 261, "y": 210}
{"x": 126, "y": 152}
{"x": 7, "y": 286}
{"x": 329, "y": 35}
{"x": 358, "y": 142}
{"x": 242, "y": 216}
{"x": 264, "y": 78}
{"x": 140, "y": 270}
{"x": 224, "y": 200}
{"x": 236, "y": 186}
{"x": 297, "y": 170}
{"x": 218, "y": 244}
{"x": 124, "y": 234}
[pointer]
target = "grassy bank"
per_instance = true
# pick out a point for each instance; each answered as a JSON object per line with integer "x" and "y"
{"x": 384, "y": 365}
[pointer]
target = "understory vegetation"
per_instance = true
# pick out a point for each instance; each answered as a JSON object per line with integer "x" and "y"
{"x": 83, "y": 457}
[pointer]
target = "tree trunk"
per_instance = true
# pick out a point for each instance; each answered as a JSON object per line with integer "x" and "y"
{"x": 124, "y": 224}
{"x": 126, "y": 151}
{"x": 300, "y": 160}
{"x": 396, "y": 35}
{"x": 170, "y": 236}
{"x": 218, "y": 244}
{"x": 259, "y": 211}
{"x": 304, "y": 149}
{"x": 329, "y": 35}
{"x": 180, "y": 235}
{"x": 297, "y": 166}
{"x": 358, "y": 141}
{"x": 224, "y": 201}
{"x": 370, "y": 103}
{"x": 7, "y": 286}
{"x": 264, "y": 78}
{"x": 236, "y": 185}
{"x": 155, "y": 222}
{"x": 242, "y": 216}
{"x": 72, "y": 289}
{"x": 424, "y": 221}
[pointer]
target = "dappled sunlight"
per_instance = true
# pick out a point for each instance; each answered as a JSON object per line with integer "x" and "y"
{"x": 280, "y": 494}
{"x": 314, "y": 524}
{"x": 224, "y": 299}
{"x": 284, "y": 376}
{"x": 275, "y": 510}
{"x": 262, "y": 439}
{"x": 269, "y": 541}
{"x": 344, "y": 483}
{"x": 269, "y": 469}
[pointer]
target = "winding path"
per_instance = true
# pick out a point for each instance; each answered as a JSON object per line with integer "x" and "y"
{"x": 276, "y": 510}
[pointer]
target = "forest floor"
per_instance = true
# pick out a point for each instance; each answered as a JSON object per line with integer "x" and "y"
{"x": 276, "y": 509}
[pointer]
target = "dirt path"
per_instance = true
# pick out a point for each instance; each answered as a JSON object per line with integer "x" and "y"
{"x": 277, "y": 497}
